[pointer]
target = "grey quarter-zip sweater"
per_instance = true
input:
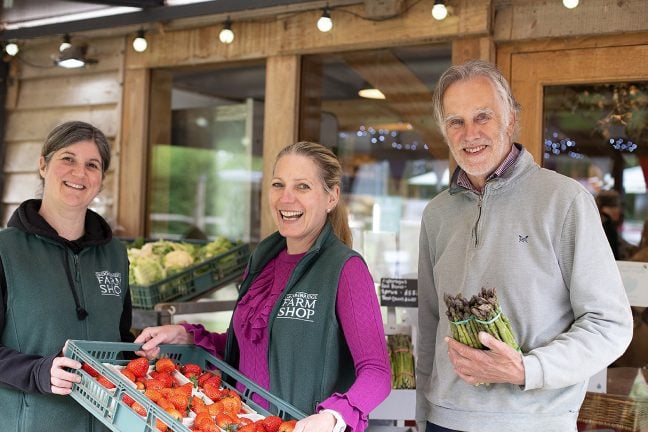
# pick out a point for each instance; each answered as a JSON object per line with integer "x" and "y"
{"x": 536, "y": 237}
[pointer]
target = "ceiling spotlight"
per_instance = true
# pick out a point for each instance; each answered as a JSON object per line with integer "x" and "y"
{"x": 570, "y": 4}
{"x": 226, "y": 35}
{"x": 139, "y": 43}
{"x": 325, "y": 23}
{"x": 74, "y": 57}
{"x": 65, "y": 43}
{"x": 371, "y": 93}
{"x": 439, "y": 10}
{"x": 12, "y": 48}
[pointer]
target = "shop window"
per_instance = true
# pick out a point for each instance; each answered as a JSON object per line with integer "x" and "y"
{"x": 393, "y": 155}
{"x": 206, "y": 170}
{"x": 598, "y": 135}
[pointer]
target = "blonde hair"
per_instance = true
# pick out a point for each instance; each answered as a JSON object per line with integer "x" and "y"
{"x": 330, "y": 172}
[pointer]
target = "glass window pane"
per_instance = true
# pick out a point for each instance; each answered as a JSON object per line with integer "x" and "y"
{"x": 206, "y": 181}
{"x": 393, "y": 156}
{"x": 598, "y": 135}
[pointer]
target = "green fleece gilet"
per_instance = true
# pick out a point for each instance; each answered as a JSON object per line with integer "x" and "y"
{"x": 34, "y": 270}
{"x": 308, "y": 357}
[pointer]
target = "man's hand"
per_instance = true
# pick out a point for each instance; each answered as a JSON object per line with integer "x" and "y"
{"x": 499, "y": 364}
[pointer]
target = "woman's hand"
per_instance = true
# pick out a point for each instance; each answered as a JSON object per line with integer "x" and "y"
{"x": 151, "y": 337}
{"x": 322, "y": 422}
{"x": 61, "y": 380}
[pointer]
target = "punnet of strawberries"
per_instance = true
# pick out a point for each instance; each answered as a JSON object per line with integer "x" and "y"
{"x": 192, "y": 396}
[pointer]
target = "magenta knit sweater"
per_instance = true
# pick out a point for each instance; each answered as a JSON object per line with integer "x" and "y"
{"x": 359, "y": 315}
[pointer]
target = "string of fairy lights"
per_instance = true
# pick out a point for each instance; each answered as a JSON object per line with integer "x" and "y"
{"x": 73, "y": 55}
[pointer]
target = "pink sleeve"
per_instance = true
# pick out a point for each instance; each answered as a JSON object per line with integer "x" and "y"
{"x": 359, "y": 314}
{"x": 214, "y": 343}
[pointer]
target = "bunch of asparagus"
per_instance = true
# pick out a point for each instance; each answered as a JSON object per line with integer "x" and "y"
{"x": 481, "y": 313}
{"x": 402, "y": 361}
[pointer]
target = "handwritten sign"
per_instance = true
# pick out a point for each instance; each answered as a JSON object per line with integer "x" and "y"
{"x": 398, "y": 292}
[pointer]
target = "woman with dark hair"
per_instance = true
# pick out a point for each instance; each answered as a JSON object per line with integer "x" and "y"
{"x": 307, "y": 324}
{"x": 62, "y": 276}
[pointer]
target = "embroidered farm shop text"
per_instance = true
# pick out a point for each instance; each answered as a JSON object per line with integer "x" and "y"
{"x": 300, "y": 306}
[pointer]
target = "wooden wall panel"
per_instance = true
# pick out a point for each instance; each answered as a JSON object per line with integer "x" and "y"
{"x": 528, "y": 20}
{"x": 69, "y": 91}
{"x": 42, "y": 96}
{"x": 22, "y": 157}
{"x": 21, "y": 186}
{"x": 34, "y": 125}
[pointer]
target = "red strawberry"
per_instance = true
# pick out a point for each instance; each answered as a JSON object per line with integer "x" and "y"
{"x": 90, "y": 370}
{"x": 153, "y": 384}
{"x": 165, "y": 365}
{"x": 287, "y": 426}
{"x": 191, "y": 370}
{"x": 247, "y": 428}
{"x": 225, "y": 421}
{"x": 166, "y": 379}
{"x": 128, "y": 374}
{"x": 212, "y": 391}
{"x": 139, "y": 409}
{"x": 105, "y": 382}
{"x": 202, "y": 379}
{"x": 185, "y": 389}
{"x": 214, "y": 380}
{"x": 138, "y": 366}
{"x": 272, "y": 423}
{"x": 128, "y": 400}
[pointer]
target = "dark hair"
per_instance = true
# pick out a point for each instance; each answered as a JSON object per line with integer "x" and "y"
{"x": 608, "y": 198}
{"x": 330, "y": 172}
{"x": 473, "y": 69}
{"x": 72, "y": 132}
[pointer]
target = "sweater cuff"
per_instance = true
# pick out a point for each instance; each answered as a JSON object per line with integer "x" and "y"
{"x": 533, "y": 374}
{"x": 43, "y": 374}
{"x": 340, "y": 424}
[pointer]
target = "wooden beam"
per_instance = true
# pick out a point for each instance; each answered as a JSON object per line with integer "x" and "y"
{"x": 297, "y": 34}
{"x": 133, "y": 158}
{"x": 283, "y": 80}
{"x": 525, "y": 20}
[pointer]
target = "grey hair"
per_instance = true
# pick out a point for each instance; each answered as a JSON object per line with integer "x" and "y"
{"x": 72, "y": 132}
{"x": 471, "y": 69}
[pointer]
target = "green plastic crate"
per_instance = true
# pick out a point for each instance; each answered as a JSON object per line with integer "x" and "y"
{"x": 194, "y": 280}
{"x": 107, "y": 405}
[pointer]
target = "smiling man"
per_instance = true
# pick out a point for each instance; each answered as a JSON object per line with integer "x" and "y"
{"x": 536, "y": 237}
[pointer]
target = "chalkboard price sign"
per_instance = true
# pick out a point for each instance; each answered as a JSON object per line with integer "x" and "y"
{"x": 398, "y": 292}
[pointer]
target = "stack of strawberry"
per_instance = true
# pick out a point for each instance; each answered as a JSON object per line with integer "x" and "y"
{"x": 191, "y": 396}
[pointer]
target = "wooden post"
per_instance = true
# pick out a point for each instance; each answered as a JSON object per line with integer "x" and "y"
{"x": 281, "y": 121}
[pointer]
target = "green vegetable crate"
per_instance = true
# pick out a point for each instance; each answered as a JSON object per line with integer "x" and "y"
{"x": 109, "y": 407}
{"x": 197, "y": 279}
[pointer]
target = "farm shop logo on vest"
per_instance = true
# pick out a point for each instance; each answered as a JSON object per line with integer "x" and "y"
{"x": 109, "y": 283}
{"x": 298, "y": 306}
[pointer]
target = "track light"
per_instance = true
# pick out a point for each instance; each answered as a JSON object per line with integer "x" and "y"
{"x": 439, "y": 10}
{"x": 65, "y": 43}
{"x": 570, "y": 4}
{"x": 140, "y": 43}
{"x": 12, "y": 48}
{"x": 325, "y": 23}
{"x": 226, "y": 35}
{"x": 74, "y": 57}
